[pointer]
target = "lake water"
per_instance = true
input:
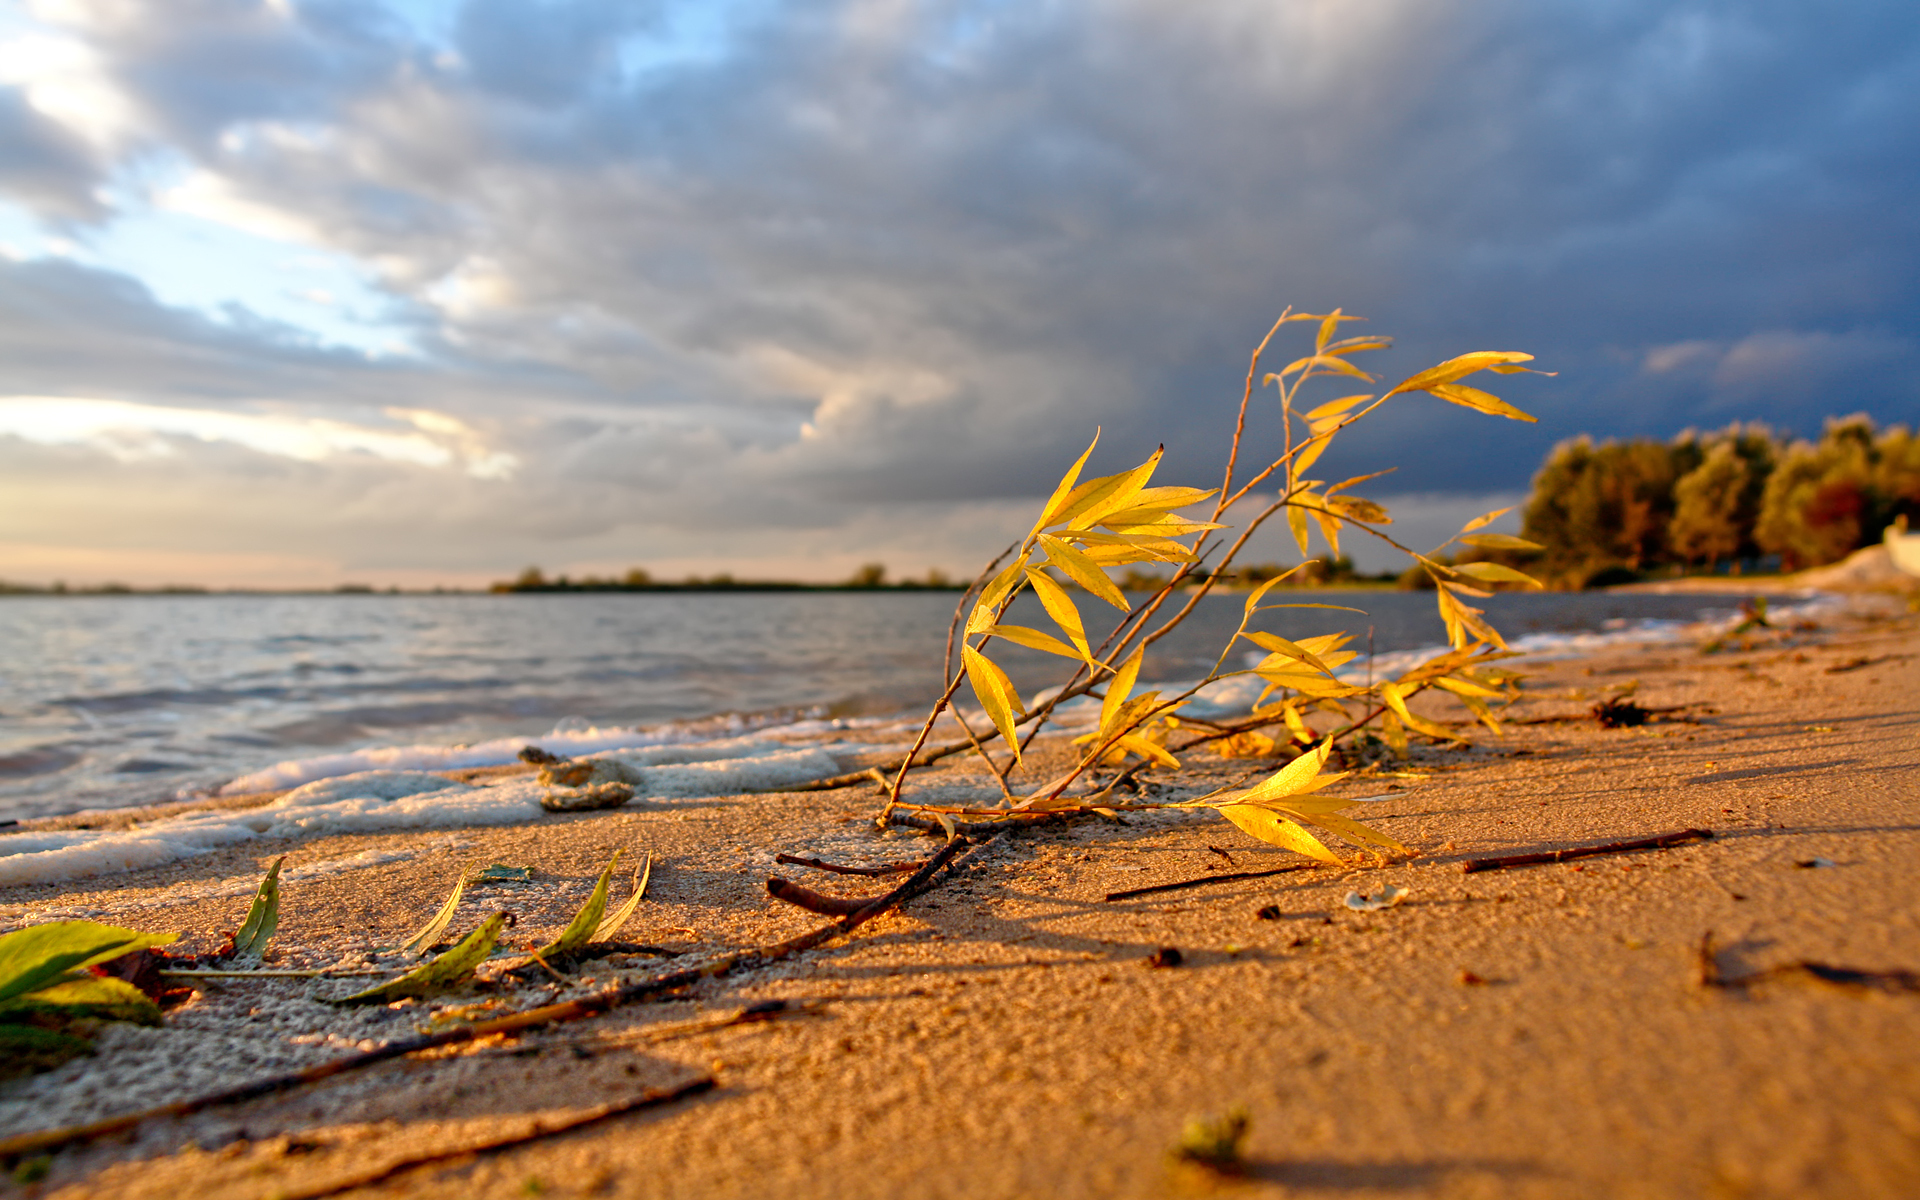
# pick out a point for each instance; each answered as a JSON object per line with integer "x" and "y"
{"x": 120, "y": 700}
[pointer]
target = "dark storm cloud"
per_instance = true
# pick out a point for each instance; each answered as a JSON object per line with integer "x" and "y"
{"x": 858, "y": 254}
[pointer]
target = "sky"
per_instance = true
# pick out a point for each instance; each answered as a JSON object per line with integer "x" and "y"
{"x": 302, "y": 292}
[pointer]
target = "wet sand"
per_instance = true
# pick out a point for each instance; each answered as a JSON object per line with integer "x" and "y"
{"x": 1540, "y": 1031}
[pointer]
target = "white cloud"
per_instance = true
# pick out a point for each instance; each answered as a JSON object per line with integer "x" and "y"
{"x": 131, "y": 431}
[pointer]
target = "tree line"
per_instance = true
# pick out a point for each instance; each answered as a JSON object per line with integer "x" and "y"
{"x": 1740, "y": 496}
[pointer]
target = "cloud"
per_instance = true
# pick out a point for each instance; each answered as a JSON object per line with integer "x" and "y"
{"x": 784, "y": 270}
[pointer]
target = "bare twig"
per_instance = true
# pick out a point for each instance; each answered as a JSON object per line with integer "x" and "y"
{"x": 841, "y": 869}
{"x": 1662, "y": 842}
{"x": 1203, "y": 881}
{"x": 546, "y": 1127}
{"x": 812, "y": 901}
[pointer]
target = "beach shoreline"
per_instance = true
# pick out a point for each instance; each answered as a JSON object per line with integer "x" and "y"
{"x": 1535, "y": 1032}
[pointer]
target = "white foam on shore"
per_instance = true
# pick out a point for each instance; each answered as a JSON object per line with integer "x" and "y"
{"x": 392, "y": 801}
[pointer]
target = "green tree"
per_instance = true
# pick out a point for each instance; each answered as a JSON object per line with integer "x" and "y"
{"x": 1597, "y": 507}
{"x": 1706, "y": 525}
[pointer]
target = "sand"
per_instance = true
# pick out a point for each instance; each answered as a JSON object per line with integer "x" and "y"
{"x": 1004, "y": 1037}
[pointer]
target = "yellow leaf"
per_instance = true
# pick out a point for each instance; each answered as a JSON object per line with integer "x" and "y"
{"x": 1355, "y": 345}
{"x": 1083, "y": 571}
{"x": 1356, "y": 509}
{"x": 1459, "y": 368}
{"x": 1060, "y": 607}
{"x": 1253, "y": 600}
{"x": 1492, "y": 572}
{"x": 1272, "y": 828}
{"x": 1033, "y": 639}
{"x": 1479, "y": 401}
{"x": 1501, "y": 541}
{"x": 1329, "y": 529}
{"x": 1333, "y": 408}
{"x": 995, "y": 692}
{"x": 1121, "y": 555}
{"x": 1485, "y": 519}
{"x": 1464, "y": 687}
{"x": 1097, "y": 497}
{"x": 1354, "y": 831}
{"x": 1329, "y": 325}
{"x": 987, "y": 608}
{"x": 1164, "y": 498}
{"x": 1310, "y": 453}
{"x": 1280, "y": 645}
{"x": 1324, "y": 364}
{"x": 1296, "y": 778}
{"x": 1297, "y": 522}
{"x": 1394, "y": 734}
{"x": 1391, "y": 693}
{"x": 1120, "y": 687}
{"x": 1149, "y": 521}
{"x": 1145, "y": 749}
{"x": 1296, "y": 725}
{"x": 1065, "y": 489}
{"x": 1248, "y": 744}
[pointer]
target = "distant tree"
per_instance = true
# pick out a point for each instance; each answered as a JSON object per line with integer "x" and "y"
{"x": 1597, "y": 507}
{"x": 530, "y": 578}
{"x": 872, "y": 575}
{"x": 1896, "y": 477}
{"x": 1820, "y": 504}
{"x": 637, "y": 577}
{"x": 1706, "y": 525}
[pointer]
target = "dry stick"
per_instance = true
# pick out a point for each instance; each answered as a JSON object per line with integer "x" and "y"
{"x": 815, "y": 902}
{"x": 840, "y": 869}
{"x": 572, "y": 1010}
{"x": 1662, "y": 842}
{"x": 540, "y": 1129}
{"x": 1203, "y": 881}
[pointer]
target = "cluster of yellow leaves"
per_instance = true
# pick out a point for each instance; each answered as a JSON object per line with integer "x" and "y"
{"x": 1086, "y": 527}
{"x": 1278, "y": 809}
{"x": 1115, "y": 520}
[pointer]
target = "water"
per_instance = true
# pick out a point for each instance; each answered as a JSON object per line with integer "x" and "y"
{"x": 120, "y": 700}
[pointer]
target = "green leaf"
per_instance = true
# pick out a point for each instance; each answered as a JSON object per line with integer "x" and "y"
{"x": 995, "y": 692}
{"x": 39, "y": 955}
{"x": 263, "y": 916}
{"x": 437, "y": 924}
{"x": 88, "y": 996}
{"x": 612, "y": 924}
{"x": 443, "y": 972}
{"x": 27, "y": 1049}
{"x": 1060, "y": 607}
{"x": 585, "y": 922}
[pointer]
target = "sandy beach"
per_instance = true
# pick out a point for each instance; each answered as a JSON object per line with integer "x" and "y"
{"x": 1541, "y": 1031}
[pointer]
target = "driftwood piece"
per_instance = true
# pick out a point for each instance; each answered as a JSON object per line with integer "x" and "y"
{"x": 1661, "y": 842}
